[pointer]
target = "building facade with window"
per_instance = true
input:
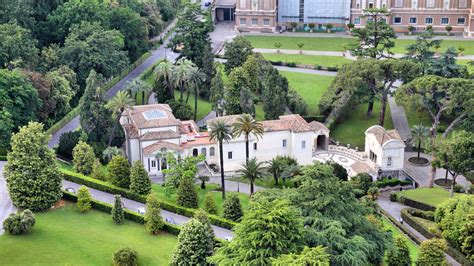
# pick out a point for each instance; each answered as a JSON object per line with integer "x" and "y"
{"x": 152, "y": 132}
{"x": 256, "y": 15}
{"x": 385, "y": 149}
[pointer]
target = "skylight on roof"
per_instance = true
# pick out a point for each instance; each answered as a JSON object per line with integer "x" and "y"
{"x": 154, "y": 114}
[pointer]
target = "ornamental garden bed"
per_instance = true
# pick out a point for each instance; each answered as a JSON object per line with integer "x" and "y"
{"x": 419, "y": 161}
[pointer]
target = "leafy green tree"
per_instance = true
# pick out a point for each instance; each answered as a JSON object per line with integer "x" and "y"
{"x": 180, "y": 169}
{"x": 125, "y": 257}
{"x": 252, "y": 170}
{"x": 445, "y": 65}
{"x": 62, "y": 92}
{"x": 399, "y": 254}
{"x": 418, "y": 135}
{"x": 209, "y": 204}
{"x": 232, "y": 208}
{"x": 194, "y": 244}
{"x": 309, "y": 256}
{"x": 187, "y": 195}
{"x": 83, "y": 199}
{"x": 153, "y": 220}
{"x": 117, "y": 106}
{"x": 91, "y": 47}
{"x": 97, "y": 172}
{"x": 32, "y": 175}
{"x": 117, "y": 210}
{"x": 164, "y": 76}
{"x": 246, "y": 125}
{"x": 238, "y": 93}
{"x": 339, "y": 170}
{"x": 432, "y": 252}
{"x": 275, "y": 91}
{"x": 83, "y": 158}
{"x": 18, "y": 12}
{"x": 139, "y": 180}
{"x": 217, "y": 93}
{"x": 152, "y": 17}
{"x": 421, "y": 50}
{"x": 18, "y": 104}
{"x": 296, "y": 103}
{"x": 467, "y": 236}
{"x": 202, "y": 217}
{"x": 269, "y": 230}
{"x": 67, "y": 142}
{"x": 119, "y": 171}
{"x": 236, "y": 52}
{"x": 18, "y": 47}
{"x": 361, "y": 183}
{"x": 181, "y": 109}
{"x": 19, "y": 222}
{"x": 220, "y": 132}
{"x": 376, "y": 37}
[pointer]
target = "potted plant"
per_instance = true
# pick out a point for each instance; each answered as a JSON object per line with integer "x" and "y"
{"x": 329, "y": 27}
{"x": 448, "y": 29}
{"x": 461, "y": 50}
{"x": 311, "y": 27}
{"x": 410, "y": 29}
{"x": 293, "y": 26}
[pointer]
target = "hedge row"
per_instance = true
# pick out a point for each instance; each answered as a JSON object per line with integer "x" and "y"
{"x": 106, "y": 187}
{"x": 405, "y": 230}
{"x": 294, "y": 64}
{"x": 412, "y": 203}
{"x": 386, "y": 182}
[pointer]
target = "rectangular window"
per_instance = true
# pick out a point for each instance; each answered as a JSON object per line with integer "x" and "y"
{"x": 357, "y": 21}
{"x": 229, "y": 155}
{"x": 254, "y": 5}
{"x": 266, "y": 22}
{"x": 414, "y": 4}
{"x": 398, "y": 3}
{"x": 243, "y": 21}
{"x": 462, "y": 3}
{"x": 428, "y": 20}
{"x": 254, "y": 22}
{"x": 446, "y": 4}
{"x": 389, "y": 161}
{"x": 153, "y": 163}
{"x": 444, "y": 21}
{"x": 430, "y": 3}
{"x": 397, "y": 20}
{"x": 303, "y": 144}
{"x": 284, "y": 143}
{"x": 243, "y": 4}
{"x": 413, "y": 20}
{"x": 255, "y": 146}
{"x": 461, "y": 21}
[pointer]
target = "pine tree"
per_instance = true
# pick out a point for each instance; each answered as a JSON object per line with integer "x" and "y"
{"x": 32, "y": 175}
{"x": 139, "y": 180}
{"x": 194, "y": 244}
{"x": 274, "y": 94}
{"x": 154, "y": 221}
{"x": 83, "y": 199}
{"x": 399, "y": 254}
{"x": 209, "y": 204}
{"x": 232, "y": 208}
{"x": 83, "y": 158}
{"x": 187, "y": 195}
{"x": 117, "y": 210}
{"x": 119, "y": 171}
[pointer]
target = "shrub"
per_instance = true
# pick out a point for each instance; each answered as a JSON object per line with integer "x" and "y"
{"x": 361, "y": 182}
{"x": 19, "y": 223}
{"x": 393, "y": 197}
{"x": 291, "y": 64}
{"x": 432, "y": 252}
{"x": 338, "y": 170}
{"x": 83, "y": 199}
{"x": 194, "y": 244}
{"x": 232, "y": 208}
{"x": 67, "y": 142}
{"x": 428, "y": 215}
{"x": 117, "y": 210}
{"x": 373, "y": 193}
{"x": 119, "y": 171}
{"x": 83, "y": 158}
{"x": 458, "y": 188}
{"x": 154, "y": 221}
{"x": 97, "y": 172}
{"x": 209, "y": 204}
{"x": 187, "y": 195}
{"x": 139, "y": 180}
{"x": 296, "y": 103}
{"x": 125, "y": 257}
{"x": 319, "y": 67}
{"x": 399, "y": 254}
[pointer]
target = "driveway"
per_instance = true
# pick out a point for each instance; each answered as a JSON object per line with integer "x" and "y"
{"x": 6, "y": 205}
{"x": 223, "y": 32}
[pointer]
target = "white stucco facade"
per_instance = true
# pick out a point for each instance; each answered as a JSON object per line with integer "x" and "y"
{"x": 384, "y": 148}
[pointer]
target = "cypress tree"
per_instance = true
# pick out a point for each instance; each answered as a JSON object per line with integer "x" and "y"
{"x": 153, "y": 220}
{"x": 232, "y": 208}
{"x": 187, "y": 195}
{"x": 209, "y": 204}
{"x": 83, "y": 199}
{"x": 139, "y": 180}
{"x": 117, "y": 210}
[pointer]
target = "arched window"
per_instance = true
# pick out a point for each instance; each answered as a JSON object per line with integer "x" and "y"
{"x": 212, "y": 151}
{"x": 203, "y": 151}
{"x": 195, "y": 152}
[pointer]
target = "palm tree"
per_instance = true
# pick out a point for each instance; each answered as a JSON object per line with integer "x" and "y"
{"x": 195, "y": 79}
{"x": 247, "y": 125}
{"x": 136, "y": 86}
{"x": 117, "y": 105}
{"x": 252, "y": 170}
{"x": 220, "y": 132}
{"x": 164, "y": 70}
{"x": 418, "y": 134}
{"x": 181, "y": 74}
{"x": 275, "y": 166}
{"x": 110, "y": 152}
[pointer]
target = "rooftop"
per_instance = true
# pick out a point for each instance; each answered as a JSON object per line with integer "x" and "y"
{"x": 153, "y": 115}
{"x": 382, "y": 135}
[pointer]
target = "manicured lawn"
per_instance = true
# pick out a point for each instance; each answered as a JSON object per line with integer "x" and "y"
{"x": 204, "y": 106}
{"x": 468, "y": 45}
{"x": 352, "y": 129}
{"x": 320, "y": 60}
{"x": 431, "y": 196}
{"x": 414, "y": 249}
{"x": 267, "y": 182}
{"x": 210, "y": 188}
{"x": 310, "y": 87}
{"x": 66, "y": 237}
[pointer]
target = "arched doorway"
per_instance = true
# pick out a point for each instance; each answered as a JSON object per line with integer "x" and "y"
{"x": 195, "y": 152}
{"x": 321, "y": 142}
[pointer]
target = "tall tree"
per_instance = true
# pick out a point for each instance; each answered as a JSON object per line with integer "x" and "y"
{"x": 216, "y": 96}
{"x": 438, "y": 96}
{"x": 418, "y": 134}
{"x": 196, "y": 78}
{"x": 421, "y": 51}
{"x": 181, "y": 73}
{"x": 236, "y": 52}
{"x": 274, "y": 95}
{"x": 220, "y": 132}
{"x": 32, "y": 175}
{"x": 376, "y": 37}
{"x": 139, "y": 181}
{"x": 445, "y": 65}
{"x": 117, "y": 106}
{"x": 119, "y": 171}
{"x": 252, "y": 170}
{"x": 238, "y": 94}
{"x": 153, "y": 220}
{"x": 164, "y": 72}
{"x": 399, "y": 254}
{"x": 18, "y": 47}
{"x": 246, "y": 125}
{"x": 83, "y": 158}
{"x": 195, "y": 244}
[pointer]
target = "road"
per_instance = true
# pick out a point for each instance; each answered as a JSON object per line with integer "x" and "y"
{"x": 134, "y": 205}
{"x": 6, "y": 205}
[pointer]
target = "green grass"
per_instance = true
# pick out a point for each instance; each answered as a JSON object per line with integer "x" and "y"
{"x": 267, "y": 182}
{"x": 66, "y": 237}
{"x": 413, "y": 248}
{"x": 310, "y": 87}
{"x": 337, "y": 43}
{"x": 320, "y": 60}
{"x": 431, "y": 196}
{"x": 470, "y": 67}
{"x": 210, "y": 188}
{"x": 352, "y": 129}
{"x": 204, "y": 106}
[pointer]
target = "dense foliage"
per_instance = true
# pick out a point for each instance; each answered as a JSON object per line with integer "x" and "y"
{"x": 83, "y": 199}
{"x": 195, "y": 244}
{"x": 119, "y": 171}
{"x": 83, "y": 158}
{"x": 117, "y": 210}
{"x": 187, "y": 195}
{"x": 232, "y": 208}
{"x": 209, "y": 204}
{"x": 139, "y": 181}
{"x": 153, "y": 220}
{"x": 19, "y": 222}
{"x": 432, "y": 252}
{"x": 399, "y": 254}
{"x": 125, "y": 257}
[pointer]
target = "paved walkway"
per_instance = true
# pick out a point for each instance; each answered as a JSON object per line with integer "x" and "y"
{"x": 134, "y": 205}
{"x": 6, "y": 205}
{"x": 223, "y": 32}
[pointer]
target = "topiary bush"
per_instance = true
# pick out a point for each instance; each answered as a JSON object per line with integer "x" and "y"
{"x": 83, "y": 199}
{"x": 232, "y": 208}
{"x": 119, "y": 171}
{"x": 432, "y": 252}
{"x": 117, "y": 210}
{"x": 97, "y": 172}
{"x": 209, "y": 204}
{"x": 187, "y": 195}
{"x": 83, "y": 158}
{"x": 19, "y": 223}
{"x": 153, "y": 220}
{"x": 125, "y": 257}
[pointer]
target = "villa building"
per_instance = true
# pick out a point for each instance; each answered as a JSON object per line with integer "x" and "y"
{"x": 385, "y": 149}
{"x": 152, "y": 132}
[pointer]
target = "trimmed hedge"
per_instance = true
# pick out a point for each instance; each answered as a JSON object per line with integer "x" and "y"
{"x": 405, "y": 230}
{"x": 386, "y": 182}
{"x": 109, "y": 188}
{"x": 415, "y": 204}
